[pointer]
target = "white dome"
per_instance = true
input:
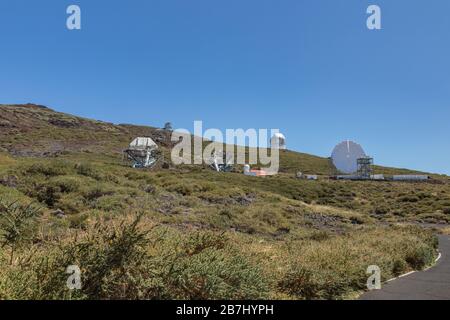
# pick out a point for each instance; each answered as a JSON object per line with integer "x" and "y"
{"x": 279, "y": 136}
{"x": 278, "y": 141}
{"x": 143, "y": 143}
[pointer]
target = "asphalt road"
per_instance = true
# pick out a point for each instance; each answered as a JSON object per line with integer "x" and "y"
{"x": 433, "y": 284}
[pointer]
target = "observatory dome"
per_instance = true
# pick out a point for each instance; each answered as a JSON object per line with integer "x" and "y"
{"x": 345, "y": 156}
{"x": 278, "y": 141}
{"x": 143, "y": 143}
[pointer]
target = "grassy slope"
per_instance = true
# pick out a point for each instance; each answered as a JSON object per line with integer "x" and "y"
{"x": 294, "y": 230}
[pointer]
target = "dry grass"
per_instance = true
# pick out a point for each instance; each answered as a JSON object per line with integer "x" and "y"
{"x": 132, "y": 258}
{"x": 201, "y": 234}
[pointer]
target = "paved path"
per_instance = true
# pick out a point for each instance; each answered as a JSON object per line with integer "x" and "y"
{"x": 433, "y": 284}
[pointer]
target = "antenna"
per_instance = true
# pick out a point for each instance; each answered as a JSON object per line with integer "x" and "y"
{"x": 221, "y": 162}
{"x": 143, "y": 152}
{"x": 345, "y": 156}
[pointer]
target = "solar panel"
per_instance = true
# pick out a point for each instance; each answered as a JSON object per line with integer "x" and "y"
{"x": 345, "y": 156}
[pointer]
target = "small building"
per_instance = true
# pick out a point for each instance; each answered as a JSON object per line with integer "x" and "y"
{"x": 278, "y": 141}
{"x": 348, "y": 177}
{"x": 411, "y": 177}
{"x": 300, "y": 175}
{"x": 257, "y": 172}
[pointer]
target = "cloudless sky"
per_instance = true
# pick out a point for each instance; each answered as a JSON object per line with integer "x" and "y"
{"x": 310, "y": 68}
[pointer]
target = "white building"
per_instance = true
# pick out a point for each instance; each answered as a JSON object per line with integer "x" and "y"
{"x": 278, "y": 141}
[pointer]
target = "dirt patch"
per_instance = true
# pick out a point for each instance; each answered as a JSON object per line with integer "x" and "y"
{"x": 9, "y": 181}
{"x": 325, "y": 222}
{"x": 244, "y": 200}
{"x": 64, "y": 123}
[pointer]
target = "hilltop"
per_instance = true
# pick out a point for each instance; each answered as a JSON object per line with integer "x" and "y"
{"x": 38, "y": 131}
{"x": 302, "y": 239}
{"x": 34, "y": 130}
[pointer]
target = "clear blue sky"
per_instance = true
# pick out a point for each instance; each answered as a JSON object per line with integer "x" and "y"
{"x": 308, "y": 67}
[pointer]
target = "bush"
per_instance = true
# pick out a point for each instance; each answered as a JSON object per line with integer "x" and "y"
{"x": 412, "y": 199}
{"x": 124, "y": 262}
{"x": 333, "y": 268}
{"x": 50, "y": 192}
{"x": 212, "y": 274}
{"x": 399, "y": 267}
{"x": 65, "y": 184}
{"x": 381, "y": 210}
{"x": 49, "y": 169}
{"x": 17, "y": 225}
{"x": 181, "y": 188}
{"x": 71, "y": 204}
{"x": 97, "y": 192}
{"x": 204, "y": 266}
{"x": 48, "y": 195}
{"x": 327, "y": 273}
{"x": 419, "y": 257}
{"x": 78, "y": 221}
{"x": 108, "y": 259}
{"x": 112, "y": 203}
{"x": 87, "y": 170}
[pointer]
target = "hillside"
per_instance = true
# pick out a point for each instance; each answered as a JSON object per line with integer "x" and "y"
{"x": 37, "y": 131}
{"x": 302, "y": 239}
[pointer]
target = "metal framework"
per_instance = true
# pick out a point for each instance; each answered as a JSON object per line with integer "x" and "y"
{"x": 365, "y": 169}
{"x": 143, "y": 152}
{"x": 221, "y": 162}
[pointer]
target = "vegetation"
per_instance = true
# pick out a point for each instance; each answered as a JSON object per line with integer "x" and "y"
{"x": 187, "y": 232}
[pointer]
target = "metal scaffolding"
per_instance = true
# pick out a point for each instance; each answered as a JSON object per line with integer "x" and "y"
{"x": 142, "y": 152}
{"x": 365, "y": 170}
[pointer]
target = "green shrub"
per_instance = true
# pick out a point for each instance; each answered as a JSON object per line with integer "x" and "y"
{"x": 49, "y": 169}
{"x": 399, "y": 267}
{"x": 112, "y": 203}
{"x": 85, "y": 169}
{"x": 409, "y": 199}
{"x": 333, "y": 268}
{"x": 17, "y": 225}
{"x": 71, "y": 204}
{"x": 97, "y": 192}
{"x": 124, "y": 262}
{"x": 299, "y": 282}
{"x": 181, "y": 188}
{"x": 205, "y": 266}
{"x": 65, "y": 184}
{"x": 48, "y": 195}
{"x": 199, "y": 241}
{"x": 78, "y": 221}
{"x": 381, "y": 210}
{"x": 212, "y": 274}
{"x": 419, "y": 257}
{"x": 319, "y": 236}
{"x": 108, "y": 259}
